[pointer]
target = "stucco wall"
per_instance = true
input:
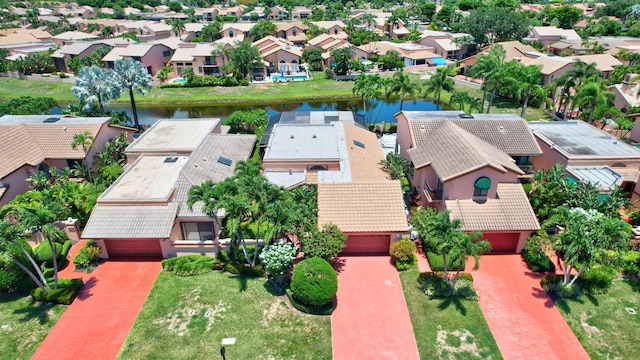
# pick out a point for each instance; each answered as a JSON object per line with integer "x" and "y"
{"x": 549, "y": 157}
{"x": 155, "y": 59}
{"x": 462, "y": 187}
{"x": 403, "y": 136}
{"x": 17, "y": 183}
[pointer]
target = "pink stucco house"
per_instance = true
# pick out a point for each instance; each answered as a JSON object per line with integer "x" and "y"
{"x": 153, "y": 56}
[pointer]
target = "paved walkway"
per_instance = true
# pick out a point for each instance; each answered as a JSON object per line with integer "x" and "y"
{"x": 97, "y": 323}
{"x": 521, "y": 316}
{"x": 371, "y": 320}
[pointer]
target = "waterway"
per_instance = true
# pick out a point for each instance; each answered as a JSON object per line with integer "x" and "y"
{"x": 381, "y": 111}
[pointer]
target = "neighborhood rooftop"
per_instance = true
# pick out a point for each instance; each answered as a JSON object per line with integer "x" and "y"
{"x": 127, "y": 222}
{"x": 177, "y": 135}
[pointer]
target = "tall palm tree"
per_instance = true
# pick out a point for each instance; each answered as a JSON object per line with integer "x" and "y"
{"x": 591, "y": 95}
{"x": 391, "y": 22}
{"x": 14, "y": 248}
{"x": 369, "y": 88}
{"x": 368, "y": 18}
{"x": 84, "y": 140}
{"x": 527, "y": 85}
{"x": 131, "y": 75}
{"x": 95, "y": 87}
{"x": 400, "y": 84}
{"x": 177, "y": 26}
{"x": 465, "y": 246}
{"x": 460, "y": 98}
{"x": 490, "y": 67}
{"x": 437, "y": 83}
{"x": 107, "y": 32}
{"x": 219, "y": 50}
{"x": 394, "y": 165}
{"x": 474, "y": 104}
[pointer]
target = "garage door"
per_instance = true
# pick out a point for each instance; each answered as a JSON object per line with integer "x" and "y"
{"x": 503, "y": 242}
{"x": 133, "y": 247}
{"x": 367, "y": 245}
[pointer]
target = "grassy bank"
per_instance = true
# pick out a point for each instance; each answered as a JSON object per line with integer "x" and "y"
{"x": 447, "y": 329}
{"x": 25, "y": 324}
{"x": 187, "y": 318}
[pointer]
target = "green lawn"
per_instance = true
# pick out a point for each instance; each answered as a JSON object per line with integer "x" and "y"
{"x": 243, "y": 308}
{"x": 601, "y": 323}
{"x": 24, "y": 325}
{"x": 447, "y": 329}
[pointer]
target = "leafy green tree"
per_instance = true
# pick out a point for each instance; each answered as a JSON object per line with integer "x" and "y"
{"x": 277, "y": 259}
{"x": 391, "y": 60}
{"x": 438, "y": 82}
{"x": 313, "y": 57}
{"x": 496, "y": 24}
{"x": 84, "y": 140}
{"x": 325, "y": 244}
{"x": 591, "y": 95}
{"x": 262, "y": 29}
{"x": 33, "y": 64}
{"x": 175, "y": 6}
{"x": 527, "y": 84}
{"x": 566, "y": 15}
{"x": 493, "y": 69}
{"x": 245, "y": 57}
{"x": 401, "y": 85}
{"x": 107, "y": 32}
{"x": 460, "y": 98}
{"x": 341, "y": 59}
{"x": 15, "y": 249}
{"x": 95, "y": 87}
{"x": 131, "y": 75}
{"x": 177, "y": 26}
{"x": 246, "y": 121}
{"x": 163, "y": 74}
{"x": 28, "y": 105}
{"x": 211, "y": 31}
{"x": 394, "y": 165}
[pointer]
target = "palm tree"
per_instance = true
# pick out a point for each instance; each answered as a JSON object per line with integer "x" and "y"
{"x": 400, "y": 84}
{"x": 527, "y": 85}
{"x": 177, "y": 25}
{"x": 584, "y": 72}
{"x": 368, "y": 18}
{"x": 491, "y": 68}
{"x": 369, "y": 88}
{"x": 131, "y": 75}
{"x": 460, "y": 98}
{"x": 474, "y": 104}
{"x": 465, "y": 246}
{"x": 107, "y": 32}
{"x": 394, "y": 165}
{"x": 95, "y": 87}
{"x": 219, "y": 50}
{"x": 13, "y": 248}
{"x": 93, "y": 28}
{"x": 391, "y": 22}
{"x": 86, "y": 141}
{"x": 591, "y": 95}
{"x": 437, "y": 83}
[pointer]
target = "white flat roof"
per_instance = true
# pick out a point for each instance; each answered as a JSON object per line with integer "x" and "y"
{"x": 150, "y": 178}
{"x": 318, "y": 141}
{"x": 177, "y": 135}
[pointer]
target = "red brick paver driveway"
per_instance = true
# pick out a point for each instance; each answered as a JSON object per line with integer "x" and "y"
{"x": 371, "y": 320}
{"x": 97, "y": 323}
{"x": 522, "y": 318}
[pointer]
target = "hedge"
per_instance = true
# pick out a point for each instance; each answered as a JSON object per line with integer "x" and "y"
{"x": 597, "y": 280}
{"x": 208, "y": 80}
{"x": 436, "y": 264}
{"x": 406, "y": 265}
{"x": 66, "y": 292}
{"x": 324, "y": 310}
{"x": 314, "y": 282}
{"x": 631, "y": 263}
{"x": 42, "y": 252}
{"x": 537, "y": 260}
{"x": 87, "y": 255}
{"x": 190, "y": 265}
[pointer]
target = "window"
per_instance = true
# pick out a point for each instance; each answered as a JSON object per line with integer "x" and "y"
{"x": 197, "y": 231}
{"x": 166, "y": 53}
{"x": 137, "y": 58}
{"x": 482, "y": 186}
{"x": 230, "y": 33}
{"x": 335, "y": 30}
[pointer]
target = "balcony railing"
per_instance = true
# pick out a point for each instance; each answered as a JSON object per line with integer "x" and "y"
{"x": 432, "y": 196}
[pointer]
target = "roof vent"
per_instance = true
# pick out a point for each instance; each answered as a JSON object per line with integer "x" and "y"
{"x": 501, "y": 128}
{"x": 171, "y": 159}
{"x": 465, "y": 116}
{"x": 225, "y": 161}
{"x": 50, "y": 120}
{"x": 358, "y": 143}
{"x": 314, "y": 136}
{"x": 292, "y": 136}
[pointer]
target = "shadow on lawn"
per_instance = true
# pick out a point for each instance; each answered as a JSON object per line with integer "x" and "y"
{"x": 457, "y": 302}
{"x": 35, "y": 310}
{"x": 564, "y": 304}
{"x": 242, "y": 281}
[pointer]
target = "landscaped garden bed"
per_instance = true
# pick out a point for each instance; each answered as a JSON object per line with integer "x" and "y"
{"x": 447, "y": 328}
{"x": 187, "y": 317}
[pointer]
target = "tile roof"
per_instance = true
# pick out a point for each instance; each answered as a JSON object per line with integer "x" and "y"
{"x": 453, "y": 151}
{"x": 33, "y": 143}
{"x": 549, "y": 64}
{"x": 376, "y": 206}
{"x": 130, "y": 222}
{"x": 509, "y": 211}
{"x": 364, "y": 162}
{"x": 509, "y": 133}
{"x": 75, "y": 35}
{"x": 604, "y": 62}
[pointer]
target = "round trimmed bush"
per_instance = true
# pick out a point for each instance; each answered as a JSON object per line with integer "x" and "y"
{"x": 314, "y": 282}
{"x": 403, "y": 250}
{"x": 43, "y": 254}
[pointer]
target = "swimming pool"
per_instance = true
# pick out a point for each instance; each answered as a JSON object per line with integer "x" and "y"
{"x": 179, "y": 80}
{"x": 280, "y": 78}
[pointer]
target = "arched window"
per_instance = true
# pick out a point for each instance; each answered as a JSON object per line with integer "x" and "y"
{"x": 317, "y": 167}
{"x": 294, "y": 32}
{"x": 230, "y": 33}
{"x": 335, "y": 30}
{"x": 481, "y": 186}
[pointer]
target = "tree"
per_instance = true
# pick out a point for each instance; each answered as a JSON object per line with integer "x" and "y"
{"x": 28, "y": 105}
{"x": 130, "y": 76}
{"x": 391, "y": 22}
{"x": 245, "y": 57}
{"x": 437, "y": 83}
{"x": 527, "y": 84}
{"x": 341, "y": 59}
{"x": 394, "y": 165}
{"x": 391, "y": 60}
{"x": 312, "y": 56}
{"x": 567, "y": 15}
{"x": 262, "y": 29}
{"x": 163, "y": 74}
{"x": 491, "y": 67}
{"x": 175, "y": 6}
{"x": 465, "y": 246}
{"x": 85, "y": 140}
{"x": 368, "y": 19}
{"x": 460, "y": 98}
{"x": 219, "y": 50}
{"x": 325, "y": 244}
{"x": 496, "y": 24}
{"x": 107, "y": 32}
{"x": 211, "y": 31}
{"x": 587, "y": 237}
{"x": 15, "y": 249}
{"x": 369, "y": 88}
{"x": 401, "y": 85}
{"x": 95, "y": 87}
{"x": 277, "y": 259}
{"x": 591, "y": 95}
{"x": 177, "y": 26}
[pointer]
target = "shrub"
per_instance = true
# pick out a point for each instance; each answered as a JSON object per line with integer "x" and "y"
{"x": 433, "y": 285}
{"x": 87, "y": 255}
{"x": 406, "y": 265}
{"x": 223, "y": 255}
{"x": 553, "y": 285}
{"x": 190, "y": 265}
{"x": 314, "y": 282}
{"x": 12, "y": 278}
{"x": 537, "y": 260}
{"x": 66, "y": 292}
{"x": 42, "y": 253}
{"x": 630, "y": 263}
{"x": 596, "y": 280}
{"x": 403, "y": 250}
{"x": 237, "y": 254}
{"x": 436, "y": 264}
{"x": 325, "y": 244}
{"x": 324, "y": 310}
{"x": 237, "y": 268}
{"x": 277, "y": 258}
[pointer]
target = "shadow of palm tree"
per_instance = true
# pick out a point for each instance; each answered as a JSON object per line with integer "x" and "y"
{"x": 85, "y": 292}
{"x": 564, "y": 304}
{"x": 242, "y": 282}
{"x": 539, "y": 293}
{"x": 36, "y": 310}
{"x": 456, "y": 301}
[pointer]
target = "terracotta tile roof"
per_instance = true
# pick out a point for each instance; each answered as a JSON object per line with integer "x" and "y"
{"x": 363, "y": 161}
{"x": 453, "y": 151}
{"x": 604, "y": 62}
{"x": 509, "y": 211}
{"x": 33, "y": 143}
{"x": 509, "y": 133}
{"x": 549, "y": 64}
{"x": 375, "y": 206}
{"x": 130, "y": 222}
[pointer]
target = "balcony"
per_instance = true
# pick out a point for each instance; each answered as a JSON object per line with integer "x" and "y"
{"x": 432, "y": 196}
{"x": 210, "y": 63}
{"x": 529, "y": 171}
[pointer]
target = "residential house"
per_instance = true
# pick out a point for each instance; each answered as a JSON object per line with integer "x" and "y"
{"x": 67, "y": 36}
{"x": 551, "y": 67}
{"x": 145, "y": 212}
{"x": 382, "y": 27}
{"x": 238, "y": 31}
{"x": 605, "y": 63}
{"x": 471, "y": 164}
{"x": 300, "y": 13}
{"x": 550, "y": 34}
{"x": 332, "y": 27}
{"x": 515, "y": 50}
{"x": 237, "y": 11}
{"x": 564, "y": 47}
{"x": 79, "y": 49}
{"x": 328, "y": 43}
{"x": 38, "y": 142}
{"x": 416, "y": 56}
{"x": 72, "y": 10}
{"x": 278, "y": 13}
{"x": 153, "y": 56}
{"x": 353, "y": 191}
{"x": 294, "y": 32}
{"x": 450, "y": 46}
{"x": 154, "y": 31}
{"x": 191, "y": 31}
{"x": 626, "y": 94}
{"x": 197, "y": 56}
{"x": 279, "y": 55}
{"x": 584, "y": 149}
{"x": 613, "y": 44}
{"x": 254, "y": 15}
{"x": 205, "y": 14}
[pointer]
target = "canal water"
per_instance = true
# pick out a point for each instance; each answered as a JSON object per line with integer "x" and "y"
{"x": 381, "y": 111}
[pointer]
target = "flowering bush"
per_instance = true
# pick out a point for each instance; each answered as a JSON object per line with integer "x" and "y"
{"x": 277, "y": 258}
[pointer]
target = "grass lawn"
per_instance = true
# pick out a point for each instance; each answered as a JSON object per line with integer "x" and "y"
{"x": 27, "y": 324}
{"x": 601, "y": 323}
{"x": 447, "y": 329}
{"x": 242, "y": 308}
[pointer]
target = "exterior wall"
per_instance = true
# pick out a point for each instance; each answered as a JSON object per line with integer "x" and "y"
{"x": 635, "y": 132}
{"x": 283, "y": 165}
{"x": 547, "y": 79}
{"x": 549, "y": 157}
{"x": 17, "y": 183}
{"x": 155, "y": 59}
{"x": 285, "y": 56}
{"x": 200, "y": 65}
{"x": 403, "y": 140}
{"x": 462, "y": 187}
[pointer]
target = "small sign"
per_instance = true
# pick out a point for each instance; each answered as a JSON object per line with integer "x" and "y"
{"x": 207, "y": 314}
{"x": 191, "y": 312}
{"x": 228, "y": 341}
{"x": 630, "y": 311}
{"x": 5, "y": 326}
